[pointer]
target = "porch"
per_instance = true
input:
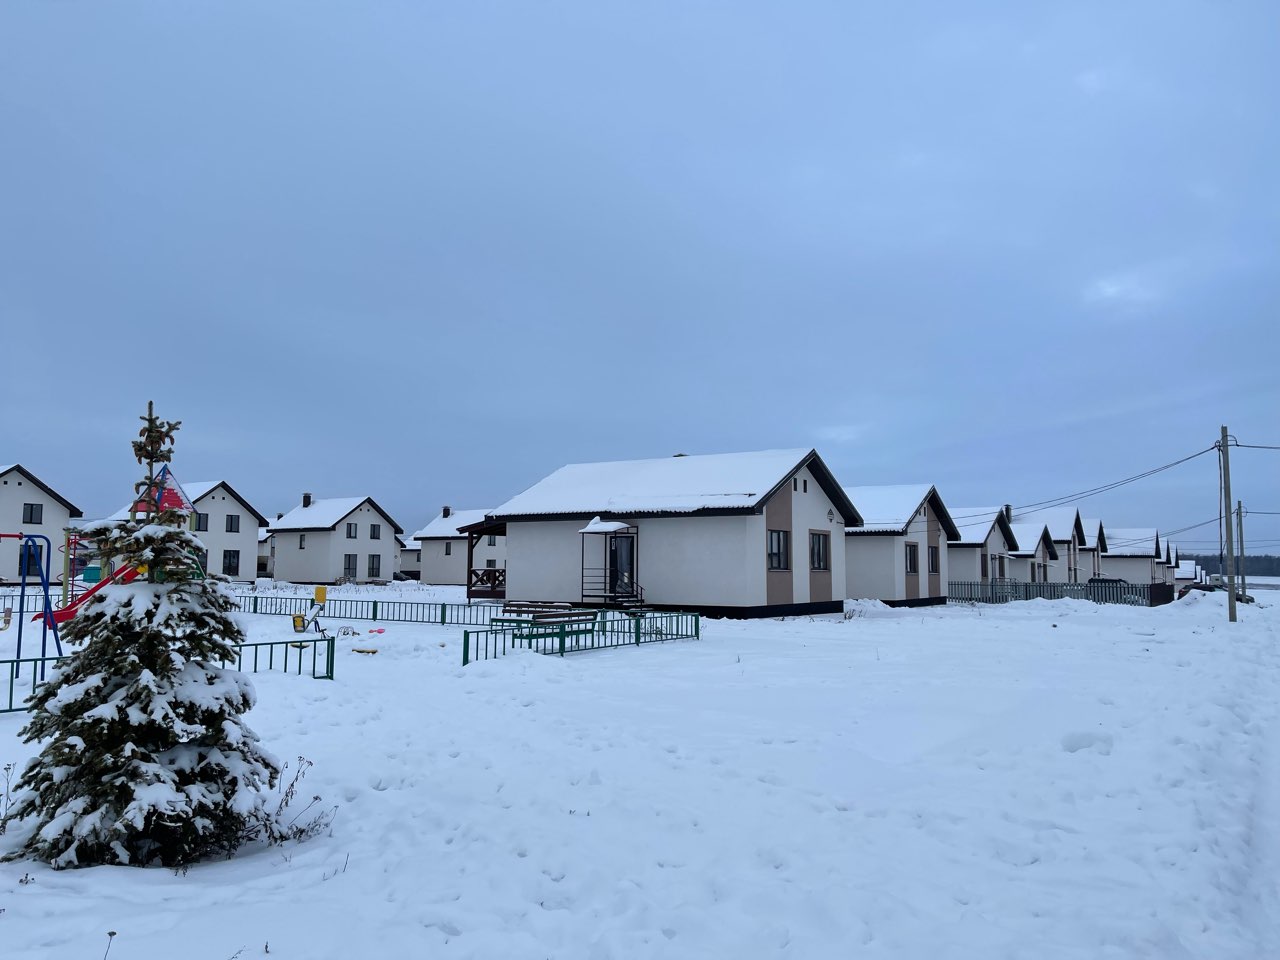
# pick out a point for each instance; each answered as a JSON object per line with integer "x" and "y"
{"x": 609, "y": 564}
{"x": 487, "y": 582}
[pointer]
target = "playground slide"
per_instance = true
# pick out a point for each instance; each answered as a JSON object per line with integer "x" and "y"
{"x": 62, "y": 615}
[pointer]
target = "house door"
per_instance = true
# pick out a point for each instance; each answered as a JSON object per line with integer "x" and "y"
{"x": 622, "y": 564}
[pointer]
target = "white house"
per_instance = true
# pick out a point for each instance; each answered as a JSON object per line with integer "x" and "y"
{"x": 1187, "y": 573}
{"x": 1133, "y": 555}
{"x": 1068, "y": 536}
{"x": 1036, "y": 552}
{"x": 348, "y": 539}
{"x": 899, "y": 553}
{"x": 29, "y": 505}
{"x": 410, "y": 564}
{"x": 986, "y": 541}
{"x": 445, "y": 547}
{"x": 267, "y": 552}
{"x": 737, "y": 534}
{"x": 227, "y": 525}
{"x": 1095, "y": 544}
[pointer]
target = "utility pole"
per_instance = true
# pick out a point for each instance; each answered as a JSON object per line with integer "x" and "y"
{"x": 1244, "y": 589}
{"x": 1225, "y": 505}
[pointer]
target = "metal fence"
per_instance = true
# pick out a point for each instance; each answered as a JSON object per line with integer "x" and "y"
{"x": 610, "y": 629}
{"x": 1006, "y": 591}
{"x": 313, "y": 657}
{"x": 396, "y": 611}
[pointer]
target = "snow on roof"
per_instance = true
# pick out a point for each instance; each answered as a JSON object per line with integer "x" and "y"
{"x": 1028, "y": 535}
{"x": 887, "y": 508}
{"x": 662, "y": 485}
{"x": 975, "y": 523}
{"x": 1061, "y": 521}
{"x": 1134, "y": 542}
{"x": 1186, "y": 570}
{"x": 604, "y": 526}
{"x": 446, "y": 528}
{"x": 1091, "y": 529}
{"x": 321, "y": 515}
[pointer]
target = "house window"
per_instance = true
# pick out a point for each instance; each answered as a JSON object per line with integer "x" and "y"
{"x": 913, "y": 559}
{"x": 491, "y": 563}
{"x": 1034, "y": 568}
{"x": 1001, "y": 560}
{"x": 31, "y": 560}
{"x": 779, "y": 549}
{"x": 352, "y": 530}
{"x": 231, "y": 562}
{"x": 375, "y": 533}
{"x": 819, "y": 551}
{"x": 448, "y": 548}
{"x": 202, "y": 558}
{"x": 302, "y": 541}
{"x": 201, "y": 522}
{"x": 795, "y": 484}
{"x": 493, "y": 539}
{"x": 804, "y": 486}
{"x": 233, "y": 523}
{"x": 375, "y": 565}
{"x": 935, "y": 565}
{"x": 33, "y": 513}
{"x": 985, "y": 567}
{"x": 349, "y": 566}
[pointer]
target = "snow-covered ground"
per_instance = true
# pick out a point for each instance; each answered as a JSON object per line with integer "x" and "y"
{"x": 1040, "y": 780}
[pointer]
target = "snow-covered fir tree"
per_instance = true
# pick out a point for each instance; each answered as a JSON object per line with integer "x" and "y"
{"x": 145, "y": 756}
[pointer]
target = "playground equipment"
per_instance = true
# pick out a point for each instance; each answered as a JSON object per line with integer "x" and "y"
{"x": 124, "y": 574}
{"x": 6, "y": 618}
{"x": 38, "y": 545}
{"x": 302, "y": 622}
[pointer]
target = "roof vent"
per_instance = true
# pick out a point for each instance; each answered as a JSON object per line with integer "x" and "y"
{"x": 306, "y": 499}
{"x": 446, "y": 512}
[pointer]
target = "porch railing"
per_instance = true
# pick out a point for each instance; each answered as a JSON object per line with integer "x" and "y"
{"x": 1006, "y": 591}
{"x": 603, "y": 584}
{"x": 487, "y": 582}
{"x": 312, "y": 656}
{"x": 558, "y": 639}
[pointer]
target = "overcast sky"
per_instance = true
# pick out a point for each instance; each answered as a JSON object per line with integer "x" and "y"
{"x": 430, "y": 252}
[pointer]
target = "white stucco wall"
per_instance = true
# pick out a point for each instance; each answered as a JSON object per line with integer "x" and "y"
{"x": 964, "y": 564}
{"x": 439, "y": 567}
{"x": 875, "y": 567}
{"x": 322, "y": 559}
{"x": 1066, "y": 569}
{"x": 544, "y": 560}
{"x": 411, "y": 560}
{"x": 809, "y": 511}
{"x": 218, "y": 504}
{"x": 15, "y": 490}
{"x": 1132, "y": 569}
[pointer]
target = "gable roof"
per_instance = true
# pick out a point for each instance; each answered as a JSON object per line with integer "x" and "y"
{"x": 1095, "y": 536}
{"x": 1029, "y": 536}
{"x": 36, "y": 481}
{"x": 890, "y": 509}
{"x": 1134, "y": 542}
{"x": 446, "y": 528}
{"x": 1063, "y": 522}
{"x": 326, "y": 515}
{"x": 975, "y": 523}
{"x": 711, "y": 484}
{"x": 196, "y": 490}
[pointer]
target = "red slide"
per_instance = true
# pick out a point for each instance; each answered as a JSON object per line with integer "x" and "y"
{"x": 63, "y": 614}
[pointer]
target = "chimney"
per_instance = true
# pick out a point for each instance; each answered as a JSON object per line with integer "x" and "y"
{"x": 279, "y": 516}
{"x": 447, "y": 511}
{"x": 1008, "y": 513}
{"x": 306, "y": 499}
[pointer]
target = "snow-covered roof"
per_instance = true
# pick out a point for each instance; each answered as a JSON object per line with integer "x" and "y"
{"x": 195, "y": 490}
{"x": 327, "y": 514}
{"x": 1186, "y": 570}
{"x": 1029, "y": 534}
{"x": 446, "y": 528}
{"x": 891, "y": 507}
{"x": 1061, "y": 521}
{"x": 670, "y": 485}
{"x": 975, "y": 523}
{"x": 1092, "y": 528}
{"x": 604, "y": 526}
{"x": 1133, "y": 542}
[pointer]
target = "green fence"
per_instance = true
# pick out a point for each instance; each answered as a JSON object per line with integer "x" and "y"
{"x": 1108, "y": 591}
{"x": 310, "y": 657}
{"x": 393, "y": 611}
{"x": 610, "y": 629}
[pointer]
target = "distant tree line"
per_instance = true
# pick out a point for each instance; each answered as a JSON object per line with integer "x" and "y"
{"x": 1259, "y": 565}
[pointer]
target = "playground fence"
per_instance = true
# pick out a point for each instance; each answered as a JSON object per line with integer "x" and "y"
{"x": 313, "y": 656}
{"x": 392, "y": 611}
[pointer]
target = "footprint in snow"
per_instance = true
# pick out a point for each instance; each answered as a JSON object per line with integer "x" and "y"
{"x": 1097, "y": 742}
